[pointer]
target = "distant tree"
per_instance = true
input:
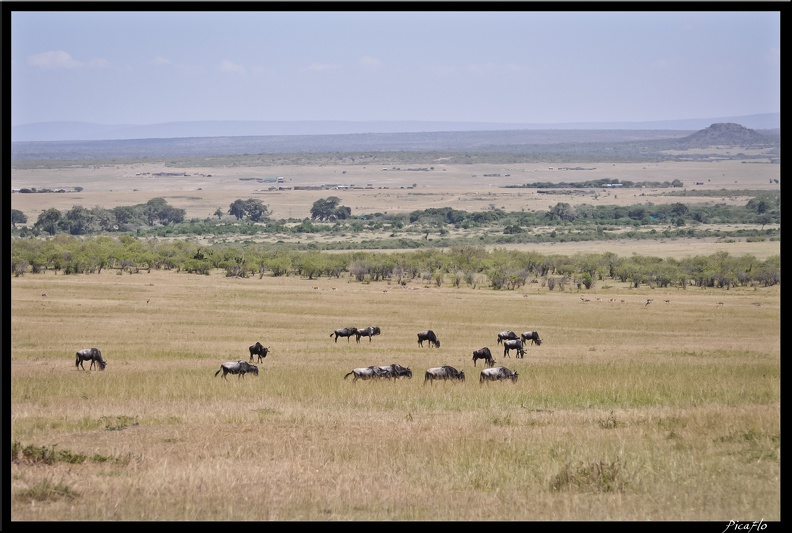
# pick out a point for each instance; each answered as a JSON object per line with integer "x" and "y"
{"x": 764, "y": 219}
{"x": 250, "y": 208}
{"x": 170, "y": 214}
{"x": 219, "y": 213}
{"x": 255, "y": 210}
{"x": 48, "y": 220}
{"x": 512, "y": 229}
{"x": 678, "y": 209}
{"x": 77, "y": 221}
{"x": 129, "y": 215}
{"x": 237, "y": 209}
{"x": 17, "y": 217}
{"x": 760, "y": 205}
{"x": 562, "y": 211}
{"x": 328, "y": 209}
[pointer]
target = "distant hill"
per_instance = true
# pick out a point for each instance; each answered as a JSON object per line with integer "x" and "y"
{"x": 82, "y": 131}
{"x": 724, "y": 134}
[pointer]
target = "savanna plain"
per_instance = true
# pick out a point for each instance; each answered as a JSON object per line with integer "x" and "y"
{"x": 640, "y": 403}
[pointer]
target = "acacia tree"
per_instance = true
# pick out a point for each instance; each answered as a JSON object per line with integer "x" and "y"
{"x": 250, "y": 208}
{"x": 255, "y": 210}
{"x": 328, "y": 209}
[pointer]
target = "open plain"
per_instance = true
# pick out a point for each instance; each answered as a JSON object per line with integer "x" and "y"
{"x": 640, "y": 403}
{"x": 626, "y": 411}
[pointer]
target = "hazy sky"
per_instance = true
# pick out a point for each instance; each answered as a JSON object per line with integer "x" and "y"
{"x": 481, "y": 66}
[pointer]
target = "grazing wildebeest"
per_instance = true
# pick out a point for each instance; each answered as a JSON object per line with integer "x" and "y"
{"x": 532, "y": 336}
{"x": 496, "y": 374}
{"x": 430, "y": 336}
{"x": 513, "y": 344}
{"x": 240, "y": 368}
{"x": 370, "y": 372}
{"x": 506, "y": 335}
{"x": 344, "y": 332}
{"x": 90, "y": 354}
{"x": 444, "y": 373}
{"x": 258, "y": 349}
{"x": 483, "y": 353}
{"x": 395, "y": 371}
{"x": 367, "y": 332}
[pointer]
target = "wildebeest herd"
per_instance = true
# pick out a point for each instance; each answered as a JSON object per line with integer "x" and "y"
{"x": 509, "y": 339}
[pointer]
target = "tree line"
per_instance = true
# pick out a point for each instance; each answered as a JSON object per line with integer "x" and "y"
{"x": 157, "y": 218}
{"x": 471, "y": 266}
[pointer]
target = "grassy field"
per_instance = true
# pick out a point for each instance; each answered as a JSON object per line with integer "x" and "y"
{"x": 667, "y": 411}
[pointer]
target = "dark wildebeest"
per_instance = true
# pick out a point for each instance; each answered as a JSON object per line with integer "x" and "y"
{"x": 430, "y": 336}
{"x": 344, "y": 332}
{"x": 506, "y": 335}
{"x": 513, "y": 344}
{"x": 367, "y": 332}
{"x": 532, "y": 336}
{"x": 483, "y": 353}
{"x": 260, "y": 350}
{"x": 371, "y": 372}
{"x": 395, "y": 371}
{"x": 240, "y": 368}
{"x": 496, "y": 374}
{"x": 443, "y": 373}
{"x": 90, "y": 354}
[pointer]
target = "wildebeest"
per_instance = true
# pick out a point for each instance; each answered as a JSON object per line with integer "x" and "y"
{"x": 532, "y": 336}
{"x": 444, "y": 373}
{"x": 90, "y": 354}
{"x": 513, "y": 344}
{"x": 483, "y": 353}
{"x": 506, "y": 335}
{"x": 367, "y": 332}
{"x": 344, "y": 332}
{"x": 395, "y": 371}
{"x": 430, "y": 336}
{"x": 497, "y": 373}
{"x": 370, "y": 372}
{"x": 240, "y": 368}
{"x": 258, "y": 349}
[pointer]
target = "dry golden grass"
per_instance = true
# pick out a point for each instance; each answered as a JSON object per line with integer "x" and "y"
{"x": 627, "y": 411}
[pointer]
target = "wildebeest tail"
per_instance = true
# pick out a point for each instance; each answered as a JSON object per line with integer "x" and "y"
{"x": 349, "y": 374}
{"x": 221, "y": 369}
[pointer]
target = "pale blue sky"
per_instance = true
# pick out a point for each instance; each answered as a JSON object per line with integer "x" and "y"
{"x": 480, "y": 66}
